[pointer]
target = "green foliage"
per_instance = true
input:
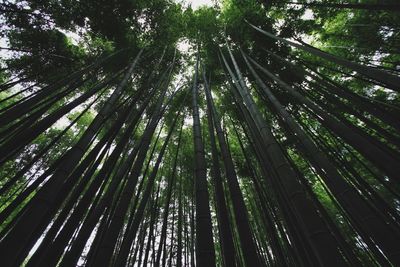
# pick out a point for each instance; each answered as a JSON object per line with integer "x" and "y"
{"x": 41, "y": 37}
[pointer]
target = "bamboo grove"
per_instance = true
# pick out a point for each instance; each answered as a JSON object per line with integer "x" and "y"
{"x": 270, "y": 139}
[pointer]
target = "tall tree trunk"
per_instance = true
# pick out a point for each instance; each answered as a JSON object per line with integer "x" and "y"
{"x": 247, "y": 244}
{"x": 205, "y": 253}
{"x": 322, "y": 242}
{"x": 389, "y": 80}
{"x": 180, "y": 219}
{"x": 382, "y": 160}
{"x": 153, "y": 218}
{"x": 106, "y": 247}
{"x": 352, "y": 202}
{"x": 167, "y": 200}
{"x": 42, "y": 202}
{"x": 22, "y": 138}
{"x": 225, "y": 232}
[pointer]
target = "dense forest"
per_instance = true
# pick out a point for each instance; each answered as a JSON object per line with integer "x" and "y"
{"x": 239, "y": 133}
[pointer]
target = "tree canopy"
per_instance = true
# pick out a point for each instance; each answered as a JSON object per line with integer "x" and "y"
{"x": 243, "y": 133}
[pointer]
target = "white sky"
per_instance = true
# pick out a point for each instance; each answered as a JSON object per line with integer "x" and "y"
{"x": 197, "y": 3}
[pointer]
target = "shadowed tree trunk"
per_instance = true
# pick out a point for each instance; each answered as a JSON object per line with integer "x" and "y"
{"x": 42, "y": 201}
{"x": 347, "y": 197}
{"x": 389, "y": 80}
{"x": 104, "y": 157}
{"x": 205, "y": 254}
{"x": 321, "y": 240}
{"x": 225, "y": 232}
{"x": 371, "y": 151}
{"x": 245, "y": 234}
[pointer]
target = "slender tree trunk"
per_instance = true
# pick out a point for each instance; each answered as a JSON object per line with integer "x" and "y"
{"x": 180, "y": 219}
{"x": 323, "y": 244}
{"x": 245, "y": 234}
{"x": 23, "y": 138}
{"x": 352, "y": 202}
{"x": 43, "y": 200}
{"x": 171, "y": 184}
{"x": 153, "y": 218}
{"x": 382, "y": 160}
{"x": 225, "y": 232}
{"x": 131, "y": 232}
{"x": 389, "y": 80}
{"x": 105, "y": 250}
{"x": 205, "y": 253}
